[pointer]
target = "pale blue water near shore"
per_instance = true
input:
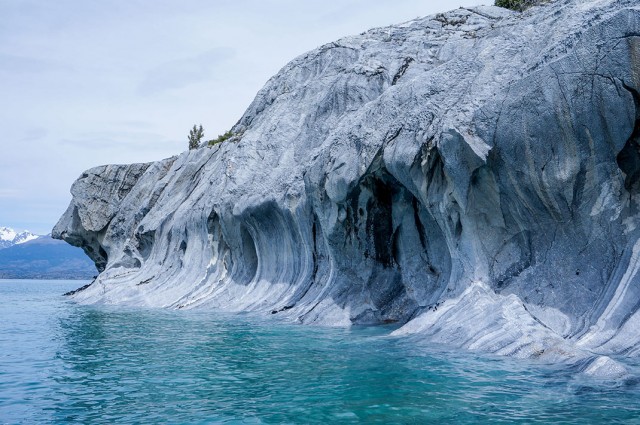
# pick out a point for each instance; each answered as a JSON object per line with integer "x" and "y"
{"x": 64, "y": 363}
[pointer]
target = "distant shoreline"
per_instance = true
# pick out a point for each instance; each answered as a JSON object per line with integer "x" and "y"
{"x": 2, "y": 279}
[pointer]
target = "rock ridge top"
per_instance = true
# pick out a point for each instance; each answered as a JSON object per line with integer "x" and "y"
{"x": 472, "y": 175}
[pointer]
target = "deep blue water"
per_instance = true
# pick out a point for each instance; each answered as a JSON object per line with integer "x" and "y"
{"x": 64, "y": 363}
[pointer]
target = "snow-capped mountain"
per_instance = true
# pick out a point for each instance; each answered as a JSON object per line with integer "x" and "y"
{"x": 10, "y": 237}
{"x": 45, "y": 258}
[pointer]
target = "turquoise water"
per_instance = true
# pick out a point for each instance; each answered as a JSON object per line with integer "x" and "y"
{"x": 64, "y": 363}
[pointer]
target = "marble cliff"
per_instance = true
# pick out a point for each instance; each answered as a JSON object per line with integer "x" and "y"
{"x": 473, "y": 176}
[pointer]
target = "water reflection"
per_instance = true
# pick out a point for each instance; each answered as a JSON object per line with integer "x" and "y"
{"x": 194, "y": 362}
{"x": 110, "y": 365}
{"x": 193, "y": 366}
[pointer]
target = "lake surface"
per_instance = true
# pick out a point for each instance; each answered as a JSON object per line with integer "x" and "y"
{"x": 65, "y": 363}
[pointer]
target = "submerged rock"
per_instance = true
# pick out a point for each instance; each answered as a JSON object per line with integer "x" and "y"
{"x": 473, "y": 175}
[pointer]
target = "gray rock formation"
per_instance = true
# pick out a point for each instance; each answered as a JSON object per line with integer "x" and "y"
{"x": 473, "y": 175}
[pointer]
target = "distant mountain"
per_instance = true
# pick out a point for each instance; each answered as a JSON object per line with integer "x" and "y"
{"x": 44, "y": 258}
{"x": 10, "y": 237}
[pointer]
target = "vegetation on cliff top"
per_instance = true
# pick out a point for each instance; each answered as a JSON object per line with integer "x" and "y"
{"x": 195, "y": 136}
{"x": 518, "y": 5}
{"x": 221, "y": 138}
{"x": 197, "y": 133}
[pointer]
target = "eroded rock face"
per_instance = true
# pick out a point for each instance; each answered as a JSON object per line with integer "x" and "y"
{"x": 473, "y": 174}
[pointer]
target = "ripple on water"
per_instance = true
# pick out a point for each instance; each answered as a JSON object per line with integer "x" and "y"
{"x": 60, "y": 362}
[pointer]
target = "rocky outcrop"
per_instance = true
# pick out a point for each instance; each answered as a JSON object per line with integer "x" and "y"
{"x": 472, "y": 175}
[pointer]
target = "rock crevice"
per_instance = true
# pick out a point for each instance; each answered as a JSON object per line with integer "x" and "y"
{"x": 472, "y": 176}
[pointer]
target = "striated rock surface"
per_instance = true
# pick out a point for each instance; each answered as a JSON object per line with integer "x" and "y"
{"x": 473, "y": 175}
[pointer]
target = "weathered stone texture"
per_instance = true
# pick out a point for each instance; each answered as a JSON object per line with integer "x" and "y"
{"x": 474, "y": 174}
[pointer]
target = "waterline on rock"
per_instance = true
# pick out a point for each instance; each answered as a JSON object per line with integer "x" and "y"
{"x": 63, "y": 362}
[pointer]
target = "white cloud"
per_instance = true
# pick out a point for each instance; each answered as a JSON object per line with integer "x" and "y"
{"x": 9, "y": 193}
{"x": 85, "y": 83}
{"x": 180, "y": 73}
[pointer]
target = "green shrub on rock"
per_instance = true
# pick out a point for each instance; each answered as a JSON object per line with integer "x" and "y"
{"x": 221, "y": 138}
{"x": 518, "y": 5}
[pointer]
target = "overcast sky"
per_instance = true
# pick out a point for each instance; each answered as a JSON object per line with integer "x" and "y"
{"x": 84, "y": 83}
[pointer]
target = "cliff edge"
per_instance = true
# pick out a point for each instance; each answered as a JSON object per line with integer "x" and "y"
{"x": 473, "y": 175}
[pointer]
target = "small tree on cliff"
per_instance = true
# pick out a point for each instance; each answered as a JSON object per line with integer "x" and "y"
{"x": 195, "y": 136}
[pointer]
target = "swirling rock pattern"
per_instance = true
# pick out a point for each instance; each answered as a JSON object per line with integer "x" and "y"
{"x": 473, "y": 175}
